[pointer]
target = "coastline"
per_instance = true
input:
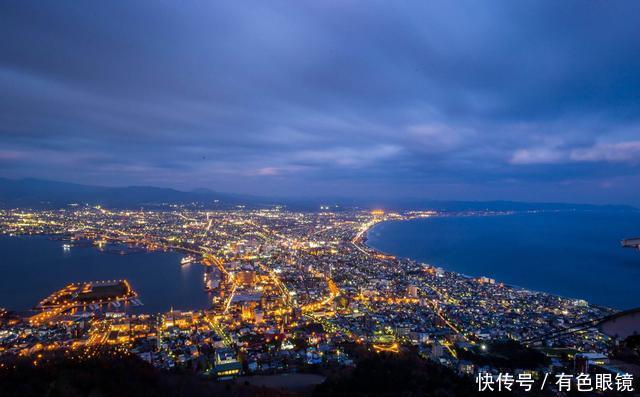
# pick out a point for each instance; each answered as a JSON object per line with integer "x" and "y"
{"x": 364, "y": 240}
{"x": 51, "y": 268}
{"x": 365, "y": 243}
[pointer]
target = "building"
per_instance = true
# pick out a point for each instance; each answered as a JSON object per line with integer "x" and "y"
{"x": 582, "y": 361}
{"x": 226, "y": 365}
{"x": 466, "y": 367}
{"x": 437, "y": 350}
{"x": 246, "y": 277}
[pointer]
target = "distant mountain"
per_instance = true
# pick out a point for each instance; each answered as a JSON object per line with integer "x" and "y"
{"x": 509, "y": 206}
{"x": 38, "y": 193}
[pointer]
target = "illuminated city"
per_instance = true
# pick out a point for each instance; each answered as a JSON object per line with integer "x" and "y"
{"x": 319, "y": 198}
{"x": 288, "y": 290}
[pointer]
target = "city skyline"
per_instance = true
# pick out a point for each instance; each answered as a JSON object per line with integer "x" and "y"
{"x": 534, "y": 102}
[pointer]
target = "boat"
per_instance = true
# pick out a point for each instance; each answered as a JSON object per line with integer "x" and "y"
{"x": 136, "y": 302}
{"x": 631, "y": 242}
{"x": 187, "y": 260}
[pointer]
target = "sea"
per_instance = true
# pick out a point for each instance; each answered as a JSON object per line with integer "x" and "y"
{"x": 32, "y": 267}
{"x": 575, "y": 254}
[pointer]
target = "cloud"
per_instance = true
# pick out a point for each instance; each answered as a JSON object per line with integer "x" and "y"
{"x": 439, "y": 137}
{"x": 599, "y": 152}
{"x": 423, "y": 98}
{"x": 11, "y": 155}
{"x": 346, "y": 156}
{"x": 539, "y": 155}
{"x": 613, "y": 152}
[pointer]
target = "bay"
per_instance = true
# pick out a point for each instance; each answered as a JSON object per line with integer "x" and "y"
{"x": 32, "y": 267}
{"x": 570, "y": 253}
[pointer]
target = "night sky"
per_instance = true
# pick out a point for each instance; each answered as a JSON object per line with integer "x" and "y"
{"x": 477, "y": 100}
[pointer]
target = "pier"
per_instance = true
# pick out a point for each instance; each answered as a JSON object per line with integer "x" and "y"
{"x": 81, "y": 295}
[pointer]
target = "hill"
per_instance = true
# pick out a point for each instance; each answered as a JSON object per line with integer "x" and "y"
{"x": 42, "y": 194}
{"x": 37, "y": 193}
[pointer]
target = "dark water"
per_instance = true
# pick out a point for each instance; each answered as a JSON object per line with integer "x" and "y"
{"x": 31, "y": 267}
{"x": 573, "y": 254}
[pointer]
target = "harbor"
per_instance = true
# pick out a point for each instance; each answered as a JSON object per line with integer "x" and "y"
{"x": 46, "y": 265}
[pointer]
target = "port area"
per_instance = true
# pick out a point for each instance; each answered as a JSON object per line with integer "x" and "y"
{"x": 91, "y": 295}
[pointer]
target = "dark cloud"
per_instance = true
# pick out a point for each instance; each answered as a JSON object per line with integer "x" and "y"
{"x": 472, "y": 100}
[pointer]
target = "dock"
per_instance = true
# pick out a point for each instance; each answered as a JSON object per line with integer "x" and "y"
{"x": 92, "y": 295}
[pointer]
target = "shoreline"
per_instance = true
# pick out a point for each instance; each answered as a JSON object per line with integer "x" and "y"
{"x": 151, "y": 299}
{"x": 365, "y": 238}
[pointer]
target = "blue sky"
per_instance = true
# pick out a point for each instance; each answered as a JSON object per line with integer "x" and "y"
{"x": 472, "y": 100}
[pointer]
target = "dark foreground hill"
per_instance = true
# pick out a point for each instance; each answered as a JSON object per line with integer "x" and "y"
{"x": 107, "y": 375}
{"x": 391, "y": 375}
